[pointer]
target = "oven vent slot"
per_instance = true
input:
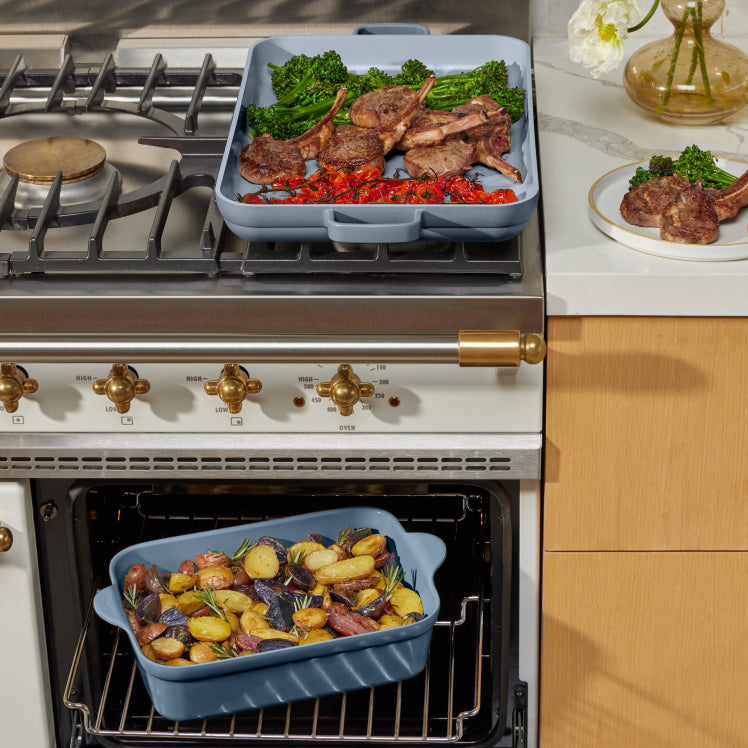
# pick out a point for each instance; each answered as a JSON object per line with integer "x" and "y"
{"x": 368, "y": 465}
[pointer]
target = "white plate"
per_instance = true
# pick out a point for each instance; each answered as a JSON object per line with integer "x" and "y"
{"x": 604, "y": 207}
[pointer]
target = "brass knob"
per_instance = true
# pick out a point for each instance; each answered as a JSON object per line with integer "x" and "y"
{"x": 233, "y": 386}
{"x": 345, "y": 389}
{"x": 14, "y": 384}
{"x": 6, "y": 539}
{"x": 121, "y": 386}
{"x": 499, "y": 348}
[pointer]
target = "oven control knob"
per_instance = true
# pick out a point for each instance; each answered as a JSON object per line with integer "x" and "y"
{"x": 14, "y": 384}
{"x": 6, "y": 539}
{"x": 121, "y": 386}
{"x": 345, "y": 389}
{"x": 233, "y": 386}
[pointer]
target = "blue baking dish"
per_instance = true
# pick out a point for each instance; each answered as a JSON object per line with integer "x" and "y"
{"x": 268, "y": 678}
{"x": 444, "y": 54}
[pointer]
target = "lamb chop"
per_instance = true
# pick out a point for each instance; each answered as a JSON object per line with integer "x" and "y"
{"x": 266, "y": 159}
{"x": 684, "y": 212}
{"x": 355, "y": 146}
{"x": 433, "y": 127}
{"x": 449, "y": 159}
{"x": 493, "y": 139}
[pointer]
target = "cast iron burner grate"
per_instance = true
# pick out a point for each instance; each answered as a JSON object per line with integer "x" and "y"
{"x": 79, "y": 90}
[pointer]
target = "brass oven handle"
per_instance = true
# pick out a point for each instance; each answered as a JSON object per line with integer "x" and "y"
{"x": 467, "y": 348}
{"x": 6, "y": 539}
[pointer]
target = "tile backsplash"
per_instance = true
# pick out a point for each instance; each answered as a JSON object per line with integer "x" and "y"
{"x": 550, "y": 18}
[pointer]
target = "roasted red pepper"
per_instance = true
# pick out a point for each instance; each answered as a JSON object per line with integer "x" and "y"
{"x": 369, "y": 186}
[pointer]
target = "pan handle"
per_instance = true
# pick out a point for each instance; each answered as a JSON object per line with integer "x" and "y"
{"x": 108, "y": 606}
{"x": 360, "y": 233}
{"x": 369, "y": 29}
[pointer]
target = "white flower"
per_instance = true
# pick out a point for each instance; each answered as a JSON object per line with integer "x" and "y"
{"x": 597, "y": 30}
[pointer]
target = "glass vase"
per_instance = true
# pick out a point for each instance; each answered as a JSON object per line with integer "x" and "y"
{"x": 689, "y": 78}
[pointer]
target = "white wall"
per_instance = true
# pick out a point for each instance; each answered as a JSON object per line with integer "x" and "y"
{"x": 550, "y": 17}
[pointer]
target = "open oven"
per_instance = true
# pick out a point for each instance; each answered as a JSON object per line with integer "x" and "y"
{"x": 161, "y": 376}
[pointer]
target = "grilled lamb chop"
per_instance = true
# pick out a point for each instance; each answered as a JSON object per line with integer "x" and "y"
{"x": 644, "y": 204}
{"x": 691, "y": 219}
{"x": 266, "y": 159}
{"x": 432, "y": 127}
{"x": 493, "y": 139}
{"x": 450, "y": 159}
{"x": 684, "y": 212}
{"x": 354, "y": 147}
{"x": 389, "y": 105}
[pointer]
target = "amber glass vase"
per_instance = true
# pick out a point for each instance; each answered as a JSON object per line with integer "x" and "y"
{"x": 689, "y": 78}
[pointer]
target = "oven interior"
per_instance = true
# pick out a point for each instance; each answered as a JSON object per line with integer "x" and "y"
{"x": 469, "y": 692}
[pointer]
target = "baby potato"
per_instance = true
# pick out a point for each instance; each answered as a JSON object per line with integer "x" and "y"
{"x": 310, "y": 618}
{"x": 390, "y": 621}
{"x": 316, "y": 635}
{"x": 232, "y": 600}
{"x": 167, "y": 601}
{"x": 147, "y": 650}
{"x": 201, "y": 652}
{"x": 317, "y": 559}
{"x": 251, "y": 620}
{"x": 214, "y": 577}
{"x": 406, "y": 601}
{"x": 188, "y": 604}
{"x": 262, "y": 562}
{"x": 304, "y": 548}
{"x": 371, "y": 545}
{"x": 356, "y": 567}
{"x": 270, "y": 633}
{"x": 167, "y": 648}
{"x": 179, "y": 582}
{"x": 177, "y": 662}
{"x": 209, "y": 628}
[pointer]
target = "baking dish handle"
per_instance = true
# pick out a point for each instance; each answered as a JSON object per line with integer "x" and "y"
{"x": 362, "y": 233}
{"x": 434, "y": 547}
{"x": 369, "y": 29}
{"x": 107, "y": 605}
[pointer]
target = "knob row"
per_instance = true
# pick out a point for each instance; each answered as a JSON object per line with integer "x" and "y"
{"x": 233, "y": 386}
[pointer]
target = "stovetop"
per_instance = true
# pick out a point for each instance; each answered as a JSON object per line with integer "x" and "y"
{"x": 154, "y": 254}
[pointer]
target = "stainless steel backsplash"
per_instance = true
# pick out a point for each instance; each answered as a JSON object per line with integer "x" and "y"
{"x": 95, "y": 26}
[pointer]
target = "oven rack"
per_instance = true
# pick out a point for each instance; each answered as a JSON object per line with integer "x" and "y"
{"x": 124, "y": 712}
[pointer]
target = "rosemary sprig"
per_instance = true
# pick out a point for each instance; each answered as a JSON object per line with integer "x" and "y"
{"x": 221, "y": 652}
{"x": 393, "y": 574}
{"x": 208, "y": 598}
{"x": 302, "y": 601}
{"x": 296, "y": 556}
{"x": 344, "y": 535}
{"x": 132, "y": 597}
{"x": 244, "y": 548}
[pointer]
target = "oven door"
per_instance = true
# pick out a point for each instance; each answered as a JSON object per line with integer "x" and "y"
{"x": 470, "y": 691}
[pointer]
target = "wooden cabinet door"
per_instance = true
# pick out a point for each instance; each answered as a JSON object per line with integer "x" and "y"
{"x": 646, "y": 434}
{"x": 644, "y": 649}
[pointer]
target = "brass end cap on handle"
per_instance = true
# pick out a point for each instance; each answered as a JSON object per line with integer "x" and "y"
{"x": 499, "y": 348}
{"x": 6, "y": 539}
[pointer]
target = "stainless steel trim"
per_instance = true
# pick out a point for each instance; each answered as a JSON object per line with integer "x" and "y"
{"x": 409, "y": 349}
{"x": 287, "y": 456}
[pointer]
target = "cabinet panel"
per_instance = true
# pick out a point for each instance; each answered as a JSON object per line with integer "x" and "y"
{"x": 646, "y": 434}
{"x": 644, "y": 649}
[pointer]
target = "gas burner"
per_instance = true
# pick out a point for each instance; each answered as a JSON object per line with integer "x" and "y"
{"x": 81, "y": 163}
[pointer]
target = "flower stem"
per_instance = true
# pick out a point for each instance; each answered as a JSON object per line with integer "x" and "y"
{"x": 700, "y": 47}
{"x": 676, "y": 50}
{"x": 646, "y": 18}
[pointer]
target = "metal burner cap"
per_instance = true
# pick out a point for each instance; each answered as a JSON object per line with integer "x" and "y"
{"x": 38, "y": 161}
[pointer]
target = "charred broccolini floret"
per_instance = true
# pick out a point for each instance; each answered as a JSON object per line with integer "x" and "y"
{"x": 692, "y": 164}
{"x": 306, "y": 88}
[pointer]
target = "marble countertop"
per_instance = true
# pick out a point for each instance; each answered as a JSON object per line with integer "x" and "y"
{"x": 586, "y": 128}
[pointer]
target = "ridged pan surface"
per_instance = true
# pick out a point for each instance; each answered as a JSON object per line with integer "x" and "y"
{"x": 352, "y": 223}
{"x": 309, "y": 671}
